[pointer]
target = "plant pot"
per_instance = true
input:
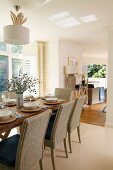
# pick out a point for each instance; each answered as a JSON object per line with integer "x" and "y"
{"x": 19, "y": 101}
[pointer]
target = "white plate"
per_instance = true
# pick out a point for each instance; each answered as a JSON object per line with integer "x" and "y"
{"x": 52, "y": 99}
{"x": 12, "y": 100}
{"x": 5, "y": 114}
{"x": 34, "y": 109}
{"x": 30, "y": 105}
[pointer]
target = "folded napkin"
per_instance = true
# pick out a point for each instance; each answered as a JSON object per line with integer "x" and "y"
{"x": 42, "y": 106}
{"x": 2, "y": 106}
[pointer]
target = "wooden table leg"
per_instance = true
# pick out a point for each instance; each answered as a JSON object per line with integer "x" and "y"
{"x": 5, "y": 134}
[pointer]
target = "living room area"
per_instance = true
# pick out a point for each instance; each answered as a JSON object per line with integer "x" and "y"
{"x": 95, "y": 111}
{"x": 97, "y": 83}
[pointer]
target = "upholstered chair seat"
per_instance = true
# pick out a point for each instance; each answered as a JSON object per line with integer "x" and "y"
{"x": 57, "y": 129}
{"x": 25, "y": 152}
{"x": 74, "y": 119}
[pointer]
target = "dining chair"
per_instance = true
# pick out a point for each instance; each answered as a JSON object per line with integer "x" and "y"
{"x": 57, "y": 130}
{"x": 74, "y": 119}
{"x": 63, "y": 93}
{"x": 22, "y": 152}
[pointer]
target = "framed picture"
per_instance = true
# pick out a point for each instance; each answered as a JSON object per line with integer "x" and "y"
{"x": 72, "y": 61}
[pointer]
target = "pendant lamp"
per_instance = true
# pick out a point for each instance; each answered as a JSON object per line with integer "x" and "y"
{"x": 16, "y": 33}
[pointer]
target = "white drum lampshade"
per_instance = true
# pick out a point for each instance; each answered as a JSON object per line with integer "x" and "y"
{"x": 16, "y": 34}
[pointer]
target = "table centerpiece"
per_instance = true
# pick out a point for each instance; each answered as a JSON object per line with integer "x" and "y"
{"x": 19, "y": 84}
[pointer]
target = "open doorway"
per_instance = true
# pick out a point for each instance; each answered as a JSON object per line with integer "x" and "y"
{"x": 97, "y": 84}
{"x": 95, "y": 113}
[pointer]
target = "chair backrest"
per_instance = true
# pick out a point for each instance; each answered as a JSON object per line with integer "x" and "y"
{"x": 63, "y": 93}
{"x": 30, "y": 148}
{"x": 59, "y": 130}
{"x": 74, "y": 119}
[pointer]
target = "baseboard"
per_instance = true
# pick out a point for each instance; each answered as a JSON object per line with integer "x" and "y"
{"x": 107, "y": 124}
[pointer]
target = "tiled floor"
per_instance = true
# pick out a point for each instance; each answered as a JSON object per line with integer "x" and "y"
{"x": 94, "y": 153}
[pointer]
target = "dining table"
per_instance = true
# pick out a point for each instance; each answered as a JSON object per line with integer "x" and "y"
{"x": 21, "y": 114}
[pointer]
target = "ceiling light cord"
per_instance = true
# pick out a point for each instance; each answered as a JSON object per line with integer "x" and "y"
{"x": 16, "y": 7}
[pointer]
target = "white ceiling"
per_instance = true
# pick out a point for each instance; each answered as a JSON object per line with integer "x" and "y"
{"x": 43, "y": 29}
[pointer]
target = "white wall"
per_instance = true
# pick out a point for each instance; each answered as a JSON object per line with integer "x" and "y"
{"x": 67, "y": 48}
{"x": 59, "y": 51}
{"x": 94, "y": 60}
{"x": 53, "y": 65}
{"x": 95, "y": 53}
{"x": 109, "y": 115}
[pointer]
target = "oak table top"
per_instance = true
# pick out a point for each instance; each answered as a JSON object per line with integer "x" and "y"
{"x": 6, "y": 127}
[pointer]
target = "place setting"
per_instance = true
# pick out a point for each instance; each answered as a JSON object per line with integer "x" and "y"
{"x": 11, "y": 102}
{"x": 53, "y": 101}
{"x": 7, "y": 101}
{"x": 30, "y": 98}
{"x": 7, "y": 116}
{"x": 30, "y": 107}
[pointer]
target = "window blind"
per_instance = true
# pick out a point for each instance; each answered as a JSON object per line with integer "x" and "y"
{"x": 43, "y": 67}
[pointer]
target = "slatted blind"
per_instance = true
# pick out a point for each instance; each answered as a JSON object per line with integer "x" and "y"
{"x": 26, "y": 66}
{"x": 43, "y": 67}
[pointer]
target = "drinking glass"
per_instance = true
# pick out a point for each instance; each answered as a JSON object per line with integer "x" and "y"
{"x": 5, "y": 97}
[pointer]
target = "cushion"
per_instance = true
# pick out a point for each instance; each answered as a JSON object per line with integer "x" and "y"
{"x": 49, "y": 129}
{"x": 8, "y": 150}
{"x": 52, "y": 118}
{"x": 101, "y": 93}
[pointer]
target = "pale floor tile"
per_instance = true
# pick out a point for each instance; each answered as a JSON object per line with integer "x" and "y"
{"x": 94, "y": 153}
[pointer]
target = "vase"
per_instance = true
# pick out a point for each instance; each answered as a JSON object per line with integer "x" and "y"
{"x": 19, "y": 100}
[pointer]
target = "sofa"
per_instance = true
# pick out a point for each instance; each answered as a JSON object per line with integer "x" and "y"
{"x": 95, "y": 95}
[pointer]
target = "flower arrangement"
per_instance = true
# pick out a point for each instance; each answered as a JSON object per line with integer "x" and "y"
{"x": 21, "y": 83}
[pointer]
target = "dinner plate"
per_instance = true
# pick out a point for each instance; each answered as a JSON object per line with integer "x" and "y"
{"x": 5, "y": 114}
{"x": 10, "y": 119}
{"x": 10, "y": 104}
{"x": 35, "y": 109}
{"x": 52, "y": 99}
{"x": 32, "y": 99}
{"x": 50, "y": 103}
{"x": 30, "y": 105}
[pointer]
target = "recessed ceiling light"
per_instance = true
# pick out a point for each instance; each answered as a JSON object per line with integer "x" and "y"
{"x": 89, "y": 18}
{"x": 59, "y": 16}
{"x": 67, "y": 22}
{"x": 42, "y": 2}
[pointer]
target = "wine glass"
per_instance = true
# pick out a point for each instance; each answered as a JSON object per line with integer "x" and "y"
{"x": 5, "y": 97}
{"x": 30, "y": 96}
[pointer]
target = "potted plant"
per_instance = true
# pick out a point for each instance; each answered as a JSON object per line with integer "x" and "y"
{"x": 19, "y": 84}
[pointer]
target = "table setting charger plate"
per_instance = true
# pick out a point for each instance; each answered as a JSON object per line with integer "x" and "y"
{"x": 33, "y": 109}
{"x": 53, "y": 101}
{"x": 50, "y": 103}
{"x": 7, "y": 116}
{"x": 30, "y": 107}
